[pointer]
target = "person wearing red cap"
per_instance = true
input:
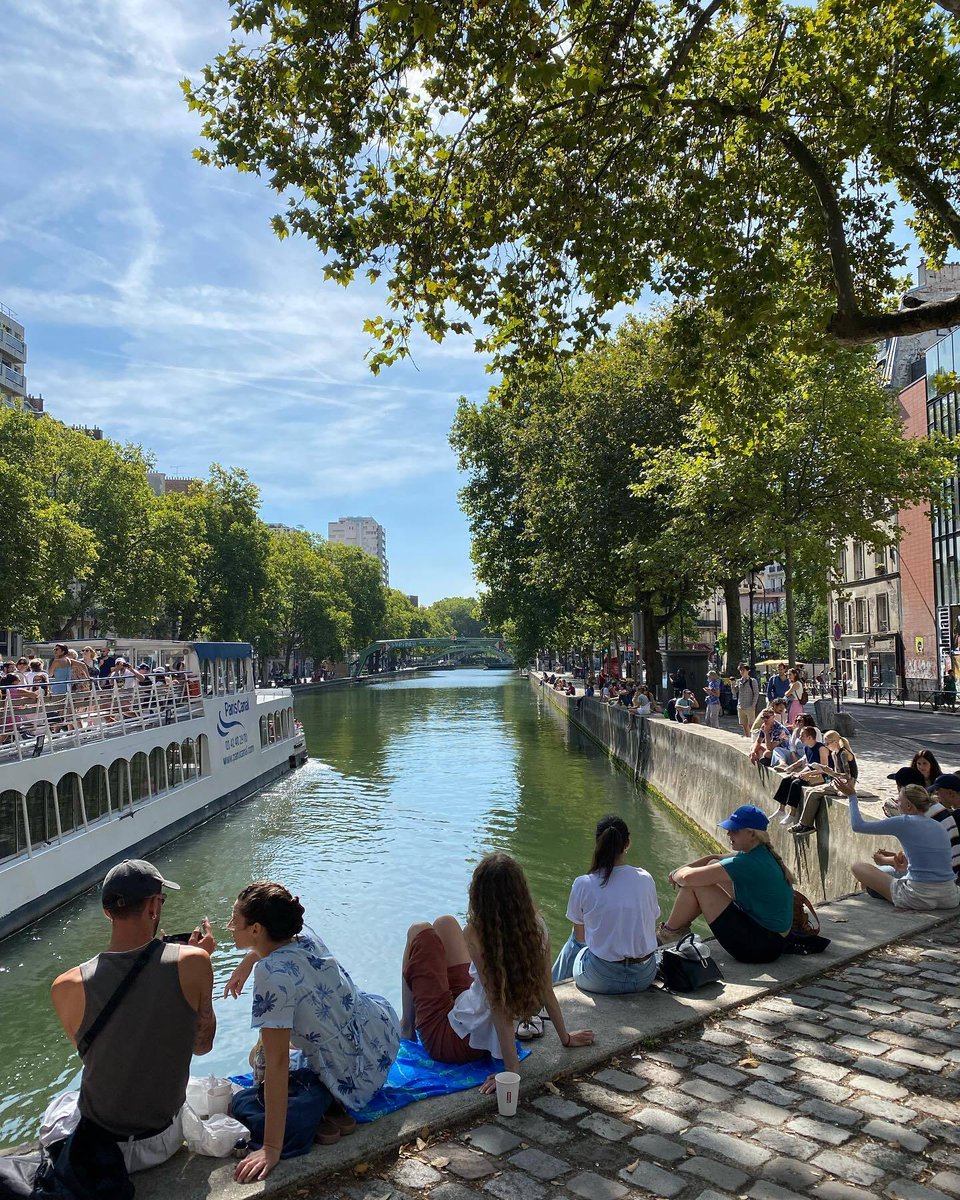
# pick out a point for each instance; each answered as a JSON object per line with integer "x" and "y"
{"x": 136, "y": 1051}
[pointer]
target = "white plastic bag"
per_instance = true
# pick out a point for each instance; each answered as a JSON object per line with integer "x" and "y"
{"x": 60, "y": 1119}
{"x": 215, "y": 1137}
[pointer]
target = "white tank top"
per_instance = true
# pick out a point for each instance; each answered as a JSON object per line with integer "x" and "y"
{"x": 470, "y": 1017}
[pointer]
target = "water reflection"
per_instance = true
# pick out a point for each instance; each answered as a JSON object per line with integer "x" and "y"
{"x": 409, "y": 785}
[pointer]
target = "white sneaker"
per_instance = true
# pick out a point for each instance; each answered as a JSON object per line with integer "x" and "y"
{"x": 786, "y": 818}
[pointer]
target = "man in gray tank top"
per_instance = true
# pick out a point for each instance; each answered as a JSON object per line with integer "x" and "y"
{"x": 135, "y": 1071}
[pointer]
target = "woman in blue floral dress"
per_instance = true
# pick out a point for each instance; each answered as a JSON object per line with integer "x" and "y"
{"x": 302, "y": 997}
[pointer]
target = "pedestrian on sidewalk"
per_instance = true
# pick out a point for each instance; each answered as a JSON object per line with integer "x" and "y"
{"x": 747, "y": 691}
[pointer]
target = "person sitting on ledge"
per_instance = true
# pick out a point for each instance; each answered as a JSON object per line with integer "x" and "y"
{"x": 919, "y": 878}
{"x": 746, "y": 898}
{"x": 464, "y": 990}
{"x": 614, "y": 912}
{"x": 841, "y": 761}
{"x": 771, "y": 736}
{"x": 806, "y": 772}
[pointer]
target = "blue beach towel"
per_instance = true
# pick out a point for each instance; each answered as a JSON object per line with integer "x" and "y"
{"x": 415, "y": 1076}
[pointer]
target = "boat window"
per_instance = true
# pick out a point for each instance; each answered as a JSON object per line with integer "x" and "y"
{"x": 174, "y": 765}
{"x": 221, "y": 677}
{"x": 70, "y": 802}
{"x": 140, "y": 777}
{"x": 13, "y": 832}
{"x": 95, "y": 799}
{"x": 245, "y": 682}
{"x": 203, "y": 754}
{"x": 119, "y": 784}
{"x": 206, "y": 668}
{"x": 271, "y": 728}
{"x": 158, "y": 770}
{"x": 41, "y": 813}
{"x": 189, "y": 760}
{"x": 263, "y": 732}
{"x": 231, "y": 675}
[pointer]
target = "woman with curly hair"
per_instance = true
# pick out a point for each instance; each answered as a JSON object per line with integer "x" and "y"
{"x": 464, "y": 990}
{"x": 302, "y": 997}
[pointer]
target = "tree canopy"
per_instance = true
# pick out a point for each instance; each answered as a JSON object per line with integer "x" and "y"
{"x": 516, "y": 168}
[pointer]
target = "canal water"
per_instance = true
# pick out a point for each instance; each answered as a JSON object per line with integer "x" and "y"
{"x": 408, "y": 785}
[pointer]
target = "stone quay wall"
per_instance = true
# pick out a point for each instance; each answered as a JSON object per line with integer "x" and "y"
{"x": 705, "y": 774}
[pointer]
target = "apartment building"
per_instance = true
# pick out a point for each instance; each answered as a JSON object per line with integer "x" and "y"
{"x": 366, "y": 533}
{"x": 13, "y": 358}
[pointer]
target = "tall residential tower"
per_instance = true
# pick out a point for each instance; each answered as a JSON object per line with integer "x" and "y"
{"x": 366, "y": 533}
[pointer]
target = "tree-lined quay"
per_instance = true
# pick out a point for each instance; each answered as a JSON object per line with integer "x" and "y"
{"x": 844, "y": 1088}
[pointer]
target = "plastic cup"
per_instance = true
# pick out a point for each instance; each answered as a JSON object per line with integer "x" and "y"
{"x": 218, "y": 1099}
{"x": 508, "y": 1092}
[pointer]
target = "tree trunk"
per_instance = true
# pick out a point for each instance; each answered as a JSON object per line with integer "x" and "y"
{"x": 652, "y": 662}
{"x": 791, "y": 617}
{"x": 731, "y": 601}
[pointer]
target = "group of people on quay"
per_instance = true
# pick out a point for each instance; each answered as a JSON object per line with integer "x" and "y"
{"x": 35, "y": 694}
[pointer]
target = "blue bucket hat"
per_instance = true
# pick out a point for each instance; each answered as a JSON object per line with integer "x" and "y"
{"x": 747, "y": 816}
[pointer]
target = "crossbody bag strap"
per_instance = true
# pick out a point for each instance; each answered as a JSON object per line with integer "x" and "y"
{"x": 121, "y": 990}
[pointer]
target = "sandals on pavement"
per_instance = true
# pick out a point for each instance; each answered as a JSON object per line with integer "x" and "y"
{"x": 667, "y": 936}
{"x": 337, "y": 1123}
{"x": 528, "y": 1030}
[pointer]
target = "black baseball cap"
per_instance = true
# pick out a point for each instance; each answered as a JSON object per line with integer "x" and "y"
{"x": 950, "y": 782}
{"x": 132, "y": 880}
{"x": 908, "y": 775}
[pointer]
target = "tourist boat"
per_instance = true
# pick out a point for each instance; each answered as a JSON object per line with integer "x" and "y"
{"x": 104, "y": 773}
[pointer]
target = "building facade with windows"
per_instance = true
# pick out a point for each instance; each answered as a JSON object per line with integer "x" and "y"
{"x": 366, "y": 533}
{"x": 13, "y": 358}
{"x": 865, "y": 618}
{"x": 943, "y": 416}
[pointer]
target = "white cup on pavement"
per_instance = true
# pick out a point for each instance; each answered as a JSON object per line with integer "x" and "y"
{"x": 218, "y": 1099}
{"x": 508, "y": 1092}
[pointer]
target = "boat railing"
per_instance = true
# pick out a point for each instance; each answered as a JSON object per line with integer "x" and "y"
{"x": 37, "y": 719}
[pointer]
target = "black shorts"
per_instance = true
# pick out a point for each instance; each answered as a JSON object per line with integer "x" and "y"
{"x": 740, "y": 935}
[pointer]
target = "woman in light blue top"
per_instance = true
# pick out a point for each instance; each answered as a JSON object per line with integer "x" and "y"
{"x": 921, "y": 877}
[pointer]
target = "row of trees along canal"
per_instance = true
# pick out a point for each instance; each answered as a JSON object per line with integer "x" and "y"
{"x": 554, "y": 161}
{"x": 91, "y": 549}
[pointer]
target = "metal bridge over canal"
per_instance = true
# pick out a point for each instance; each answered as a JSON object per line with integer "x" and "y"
{"x": 376, "y": 656}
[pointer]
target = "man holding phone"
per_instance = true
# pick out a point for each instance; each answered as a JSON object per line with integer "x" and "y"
{"x": 137, "y": 1013}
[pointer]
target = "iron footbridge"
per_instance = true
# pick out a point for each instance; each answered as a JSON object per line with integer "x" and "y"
{"x": 493, "y": 649}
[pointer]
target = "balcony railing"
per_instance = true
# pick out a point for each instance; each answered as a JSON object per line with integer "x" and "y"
{"x": 12, "y": 342}
{"x": 14, "y": 377}
{"x": 35, "y": 722}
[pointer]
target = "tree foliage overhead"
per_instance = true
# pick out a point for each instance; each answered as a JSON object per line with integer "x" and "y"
{"x": 518, "y": 167}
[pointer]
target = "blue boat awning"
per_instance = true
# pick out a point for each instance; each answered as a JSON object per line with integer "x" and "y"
{"x": 208, "y": 651}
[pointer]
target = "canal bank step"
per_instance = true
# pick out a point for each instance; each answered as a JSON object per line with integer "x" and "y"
{"x": 855, "y": 1085}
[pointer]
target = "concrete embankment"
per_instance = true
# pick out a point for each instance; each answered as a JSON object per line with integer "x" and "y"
{"x": 705, "y": 773}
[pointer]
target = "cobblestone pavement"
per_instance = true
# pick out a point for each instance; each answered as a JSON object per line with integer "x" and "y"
{"x": 843, "y": 1089}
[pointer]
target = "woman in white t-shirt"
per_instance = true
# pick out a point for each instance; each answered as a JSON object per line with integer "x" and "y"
{"x": 614, "y": 912}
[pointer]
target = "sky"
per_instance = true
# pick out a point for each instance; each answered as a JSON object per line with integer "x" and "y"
{"x": 159, "y": 305}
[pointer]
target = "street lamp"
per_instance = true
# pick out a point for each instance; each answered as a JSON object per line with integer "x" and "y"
{"x": 753, "y": 651}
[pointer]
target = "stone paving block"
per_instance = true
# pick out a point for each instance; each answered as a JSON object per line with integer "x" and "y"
{"x": 743, "y": 1154}
{"x": 538, "y": 1164}
{"x": 804, "y": 1029}
{"x": 763, "y": 1189}
{"x": 464, "y": 1163}
{"x": 723, "y": 1075}
{"x": 773, "y": 1094}
{"x": 536, "y": 1128}
{"x": 861, "y": 1045}
{"x": 853, "y": 1170}
{"x": 799, "y": 1001}
{"x": 830, "y": 995}
{"x": 711, "y": 1092}
{"x": 514, "y": 1185}
{"x": 830, "y": 1134}
{"x": 656, "y": 1073}
{"x": 771, "y": 1072}
{"x": 760, "y": 1111}
{"x": 729, "y": 1178}
{"x": 881, "y": 1067}
{"x": 671, "y": 1057}
{"x": 557, "y": 1106}
{"x": 659, "y": 1120}
{"x": 824, "y": 1089}
{"x": 788, "y": 1144}
{"x": 595, "y": 1187}
{"x": 493, "y": 1140}
{"x": 941, "y": 1129}
{"x": 601, "y": 1097}
{"x": 874, "y": 1106}
{"x": 891, "y": 1160}
{"x": 597, "y": 1154}
{"x": 719, "y": 1038}
{"x": 819, "y": 1049}
{"x": 654, "y": 1146}
{"x": 774, "y": 1054}
{"x": 831, "y": 1113}
{"x": 762, "y": 1014}
{"x": 452, "y": 1191}
{"x": 605, "y": 1126}
{"x": 371, "y": 1189}
{"x": 710, "y": 1194}
{"x": 886, "y": 1131}
{"x": 886, "y": 1088}
{"x": 910, "y": 1058}
{"x": 819, "y": 1068}
{"x": 851, "y": 1023}
{"x": 668, "y": 1098}
{"x": 726, "y": 1121}
{"x": 620, "y": 1080}
{"x": 947, "y": 1181}
{"x": 868, "y": 1004}
{"x": 906, "y": 1189}
{"x": 910, "y": 993}
{"x": 722, "y": 1055}
{"x": 412, "y": 1173}
{"x": 791, "y": 1173}
{"x": 833, "y": 1189}
{"x": 653, "y": 1179}
{"x": 906, "y": 1038}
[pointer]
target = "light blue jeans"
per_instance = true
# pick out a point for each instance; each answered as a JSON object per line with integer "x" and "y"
{"x": 592, "y": 974}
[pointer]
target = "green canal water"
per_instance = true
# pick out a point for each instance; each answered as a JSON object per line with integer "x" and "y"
{"x": 408, "y": 785}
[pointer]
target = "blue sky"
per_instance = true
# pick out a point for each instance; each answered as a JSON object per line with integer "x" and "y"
{"x": 159, "y": 305}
